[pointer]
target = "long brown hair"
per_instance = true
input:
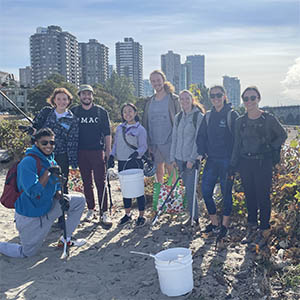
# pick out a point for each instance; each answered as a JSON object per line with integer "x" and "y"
{"x": 195, "y": 101}
{"x": 168, "y": 86}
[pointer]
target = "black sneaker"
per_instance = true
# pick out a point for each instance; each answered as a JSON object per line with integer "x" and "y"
{"x": 250, "y": 233}
{"x": 211, "y": 229}
{"x": 140, "y": 222}
{"x": 125, "y": 220}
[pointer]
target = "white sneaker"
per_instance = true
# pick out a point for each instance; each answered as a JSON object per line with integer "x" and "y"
{"x": 105, "y": 220}
{"x": 71, "y": 242}
{"x": 91, "y": 214}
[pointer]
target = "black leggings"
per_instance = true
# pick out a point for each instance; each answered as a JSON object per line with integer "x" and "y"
{"x": 256, "y": 175}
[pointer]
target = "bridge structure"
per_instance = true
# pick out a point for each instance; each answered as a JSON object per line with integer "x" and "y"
{"x": 288, "y": 115}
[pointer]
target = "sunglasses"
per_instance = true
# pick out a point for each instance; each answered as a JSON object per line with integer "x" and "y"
{"x": 217, "y": 95}
{"x": 45, "y": 143}
{"x": 252, "y": 98}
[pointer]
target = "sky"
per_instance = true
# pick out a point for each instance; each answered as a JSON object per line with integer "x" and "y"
{"x": 257, "y": 41}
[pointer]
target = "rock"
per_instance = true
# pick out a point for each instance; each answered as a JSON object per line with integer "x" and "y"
{"x": 283, "y": 244}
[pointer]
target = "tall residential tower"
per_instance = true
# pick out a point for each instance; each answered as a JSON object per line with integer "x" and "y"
{"x": 233, "y": 90}
{"x": 171, "y": 66}
{"x": 54, "y": 51}
{"x": 93, "y": 61}
{"x": 129, "y": 62}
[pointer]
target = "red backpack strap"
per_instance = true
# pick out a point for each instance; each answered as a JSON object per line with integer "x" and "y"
{"x": 38, "y": 162}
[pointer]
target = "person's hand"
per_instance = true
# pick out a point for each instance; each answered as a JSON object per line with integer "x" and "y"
{"x": 55, "y": 170}
{"x": 111, "y": 162}
{"x": 64, "y": 202}
{"x": 134, "y": 155}
{"x": 189, "y": 165}
{"x": 200, "y": 157}
{"x": 231, "y": 172}
{"x": 27, "y": 129}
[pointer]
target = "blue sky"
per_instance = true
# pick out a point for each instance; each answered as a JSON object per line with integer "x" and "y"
{"x": 255, "y": 40}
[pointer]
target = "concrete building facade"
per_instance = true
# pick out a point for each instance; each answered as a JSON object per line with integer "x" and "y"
{"x": 54, "y": 51}
{"x": 93, "y": 62}
{"x": 25, "y": 76}
{"x": 129, "y": 63}
{"x": 171, "y": 66}
{"x": 233, "y": 90}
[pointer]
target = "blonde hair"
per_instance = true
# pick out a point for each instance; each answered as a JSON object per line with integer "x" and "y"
{"x": 50, "y": 100}
{"x": 168, "y": 86}
{"x": 195, "y": 101}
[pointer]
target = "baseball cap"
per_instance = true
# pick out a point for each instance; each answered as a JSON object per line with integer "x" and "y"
{"x": 85, "y": 87}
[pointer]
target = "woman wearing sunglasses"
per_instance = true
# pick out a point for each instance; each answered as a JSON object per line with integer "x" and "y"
{"x": 215, "y": 141}
{"x": 258, "y": 136}
{"x": 65, "y": 126}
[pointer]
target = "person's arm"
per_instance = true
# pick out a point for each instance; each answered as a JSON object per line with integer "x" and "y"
{"x": 278, "y": 132}
{"x": 174, "y": 140}
{"x": 201, "y": 139}
{"x": 107, "y": 146}
{"x": 194, "y": 154}
{"x": 40, "y": 119}
{"x": 142, "y": 141}
{"x": 235, "y": 156}
{"x": 72, "y": 143}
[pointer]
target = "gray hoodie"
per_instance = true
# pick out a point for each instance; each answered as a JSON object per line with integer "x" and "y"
{"x": 184, "y": 137}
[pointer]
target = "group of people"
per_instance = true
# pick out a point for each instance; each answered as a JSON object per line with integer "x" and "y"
{"x": 176, "y": 131}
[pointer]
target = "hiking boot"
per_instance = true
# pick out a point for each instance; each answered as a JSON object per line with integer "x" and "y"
{"x": 71, "y": 242}
{"x": 91, "y": 214}
{"x": 125, "y": 220}
{"x": 262, "y": 237}
{"x": 214, "y": 229}
{"x": 105, "y": 220}
{"x": 222, "y": 232}
{"x": 140, "y": 222}
{"x": 250, "y": 233}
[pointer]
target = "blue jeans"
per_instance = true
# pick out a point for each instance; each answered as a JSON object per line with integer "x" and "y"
{"x": 217, "y": 168}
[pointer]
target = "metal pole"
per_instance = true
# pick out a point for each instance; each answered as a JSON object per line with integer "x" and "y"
{"x": 16, "y": 107}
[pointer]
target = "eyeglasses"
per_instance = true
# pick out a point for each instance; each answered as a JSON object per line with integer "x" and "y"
{"x": 217, "y": 95}
{"x": 45, "y": 143}
{"x": 252, "y": 98}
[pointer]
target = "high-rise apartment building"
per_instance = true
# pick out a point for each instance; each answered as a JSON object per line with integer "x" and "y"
{"x": 129, "y": 62}
{"x": 54, "y": 51}
{"x": 171, "y": 66}
{"x": 233, "y": 90}
{"x": 93, "y": 62}
{"x": 195, "y": 69}
{"x": 148, "y": 89}
{"x": 25, "y": 76}
{"x": 110, "y": 70}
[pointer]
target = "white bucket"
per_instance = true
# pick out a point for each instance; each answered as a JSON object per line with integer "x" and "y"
{"x": 132, "y": 183}
{"x": 175, "y": 273}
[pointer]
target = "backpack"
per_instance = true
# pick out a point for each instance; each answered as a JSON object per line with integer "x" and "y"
{"x": 207, "y": 116}
{"x": 195, "y": 118}
{"x": 10, "y": 192}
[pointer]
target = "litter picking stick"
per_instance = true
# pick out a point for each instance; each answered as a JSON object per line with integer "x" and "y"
{"x": 16, "y": 107}
{"x": 158, "y": 213}
{"x": 109, "y": 193}
{"x": 66, "y": 250}
{"x": 197, "y": 164}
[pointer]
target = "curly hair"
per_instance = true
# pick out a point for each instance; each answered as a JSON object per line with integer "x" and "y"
{"x": 50, "y": 100}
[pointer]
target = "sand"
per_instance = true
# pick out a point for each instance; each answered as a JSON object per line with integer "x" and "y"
{"x": 105, "y": 269}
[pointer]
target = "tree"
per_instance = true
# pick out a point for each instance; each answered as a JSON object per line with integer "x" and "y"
{"x": 200, "y": 91}
{"x": 37, "y": 96}
{"x": 121, "y": 88}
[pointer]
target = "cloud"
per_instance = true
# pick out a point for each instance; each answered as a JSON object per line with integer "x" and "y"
{"x": 291, "y": 83}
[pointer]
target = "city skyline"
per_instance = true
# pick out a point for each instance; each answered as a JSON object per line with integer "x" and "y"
{"x": 256, "y": 41}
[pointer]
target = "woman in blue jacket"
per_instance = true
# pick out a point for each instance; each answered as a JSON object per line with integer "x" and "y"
{"x": 215, "y": 141}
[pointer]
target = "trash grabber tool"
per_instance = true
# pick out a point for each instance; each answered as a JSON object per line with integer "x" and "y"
{"x": 65, "y": 254}
{"x": 197, "y": 167}
{"x": 158, "y": 213}
{"x": 16, "y": 107}
{"x": 109, "y": 193}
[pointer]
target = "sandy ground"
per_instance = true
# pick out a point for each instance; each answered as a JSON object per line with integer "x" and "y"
{"x": 105, "y": 269}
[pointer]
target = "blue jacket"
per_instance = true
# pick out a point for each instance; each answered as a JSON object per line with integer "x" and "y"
{"x": 215, "y": 139}
{"x": 35, "y": 200}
